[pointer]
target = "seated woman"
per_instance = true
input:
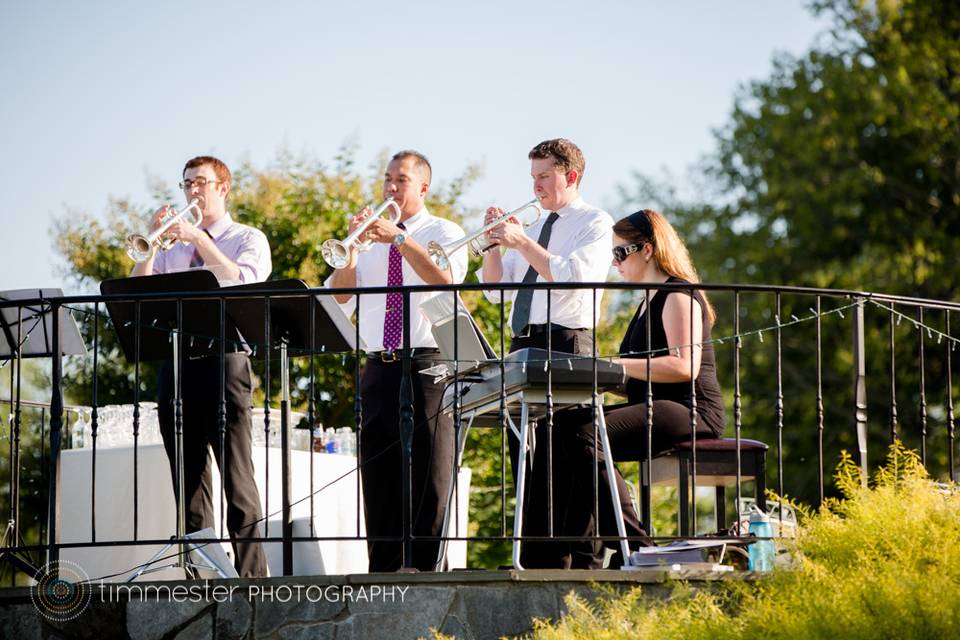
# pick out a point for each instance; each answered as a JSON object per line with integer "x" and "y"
{"x": 646, "y": 249}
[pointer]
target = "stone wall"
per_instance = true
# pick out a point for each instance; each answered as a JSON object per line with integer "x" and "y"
{"x": 465, "y": 604}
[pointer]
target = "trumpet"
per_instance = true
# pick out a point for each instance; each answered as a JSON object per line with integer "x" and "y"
{"x": 336, "y": 253}
{"x": 477, "y": 240}
{"x": 140, "y": 247}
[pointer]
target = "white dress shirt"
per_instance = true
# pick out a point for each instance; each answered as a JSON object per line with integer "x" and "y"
{"x": 579, "y": 248}
{"x": 244, "y": 245}
{"x": 372, "y": 272}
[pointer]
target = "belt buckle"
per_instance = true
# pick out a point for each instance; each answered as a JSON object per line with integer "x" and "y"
{"x": 389, "y": 356}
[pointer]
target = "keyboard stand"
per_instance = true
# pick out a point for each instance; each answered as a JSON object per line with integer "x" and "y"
{"x": 526, "y": 399}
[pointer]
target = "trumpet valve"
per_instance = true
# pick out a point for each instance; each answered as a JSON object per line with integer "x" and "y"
{"x": 480, "y": 245}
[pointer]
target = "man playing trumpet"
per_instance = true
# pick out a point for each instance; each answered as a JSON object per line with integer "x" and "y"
{"x": 234, "y": 252}
{"x": 572, "y": 244}
{"x": 398, "y": 257}
{"x": 238, "y": 253}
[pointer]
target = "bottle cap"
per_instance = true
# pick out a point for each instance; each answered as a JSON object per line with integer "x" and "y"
{"x": 757, "y": 515}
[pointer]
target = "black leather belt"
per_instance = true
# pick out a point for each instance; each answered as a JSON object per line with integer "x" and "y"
{"x": 538, "y": 329}
{"x": 395, "y": 356}
{"x": 214, "y": 352}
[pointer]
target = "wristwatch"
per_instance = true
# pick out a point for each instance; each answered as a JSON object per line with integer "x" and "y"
{"x": 399, "y": 239}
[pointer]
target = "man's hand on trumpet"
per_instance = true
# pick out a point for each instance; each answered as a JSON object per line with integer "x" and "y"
{"x": 381, "y": 230}
{"x": 182, "y": 231}
{"x": 510, "y": 234}
{"x": 358, "y": 219}
{"x": 185, "y": 232}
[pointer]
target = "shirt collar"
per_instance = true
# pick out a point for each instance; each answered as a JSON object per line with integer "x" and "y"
{"x": 218, "y": 228}
{"x": 416, "y": 220}
{"x": 575, "y": 205}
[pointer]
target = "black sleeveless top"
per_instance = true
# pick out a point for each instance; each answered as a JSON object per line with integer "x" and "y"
{"x": 710, "y": 411}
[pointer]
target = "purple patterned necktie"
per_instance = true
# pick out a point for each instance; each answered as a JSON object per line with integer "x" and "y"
{"x": 393, "y": 318}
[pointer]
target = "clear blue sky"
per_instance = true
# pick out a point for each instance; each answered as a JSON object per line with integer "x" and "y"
{"x": 96, "y": 96}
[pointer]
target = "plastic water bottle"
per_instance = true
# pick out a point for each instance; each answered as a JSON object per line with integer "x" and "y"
{"x": 347, "y": 446}
{"x": 333, "y": 445}
{"x": 318, "y": 444}
{"x": 761, "y": 552}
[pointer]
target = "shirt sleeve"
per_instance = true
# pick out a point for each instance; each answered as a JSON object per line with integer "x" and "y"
{"x": 254, "y": 258}
{"x": 590, "y": 262}
{"x": 160, "y": 262}
{"x": 509, "y": 261}
{"x": 350, "y": 305}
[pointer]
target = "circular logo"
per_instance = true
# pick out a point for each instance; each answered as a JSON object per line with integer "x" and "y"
{"x": 61, "y": 591}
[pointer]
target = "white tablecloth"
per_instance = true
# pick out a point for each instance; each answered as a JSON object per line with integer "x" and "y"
{"x": 334, "y": 511}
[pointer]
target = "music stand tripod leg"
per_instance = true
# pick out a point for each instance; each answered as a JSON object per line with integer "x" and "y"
{"x": 181, "y": 562}
{"x": 17, "y": 560}
{"x": 178, "y": 459}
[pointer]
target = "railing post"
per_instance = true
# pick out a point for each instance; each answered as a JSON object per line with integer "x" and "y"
{"x": 860, "y": 387}
{"x": 406, "y": 434}
{"x": 56, "y": 432}
{"x": 286, "y": 488}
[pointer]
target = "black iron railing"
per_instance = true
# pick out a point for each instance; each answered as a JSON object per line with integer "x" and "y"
{"x": 798, "y": 401}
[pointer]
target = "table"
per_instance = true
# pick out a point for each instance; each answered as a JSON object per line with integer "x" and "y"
{"x": 335, "y": 511}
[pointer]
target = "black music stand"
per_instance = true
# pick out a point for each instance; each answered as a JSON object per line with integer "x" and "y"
{"x": 284, "y": 326}
{"x": 26, "y": 331}
{"x": 151, "y": 330}
{"x": 157, "y": 322}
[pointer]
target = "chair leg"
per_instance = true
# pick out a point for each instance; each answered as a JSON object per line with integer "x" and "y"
{"x": 761, "y": 466}
{"x": 721, "y": 507}
{"x": 645, "y": 506}
{"x": 684, "y": 491}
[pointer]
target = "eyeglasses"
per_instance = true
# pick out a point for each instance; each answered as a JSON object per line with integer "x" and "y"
{"x": 621, "y": 252}
{"x": 200, "y": 183}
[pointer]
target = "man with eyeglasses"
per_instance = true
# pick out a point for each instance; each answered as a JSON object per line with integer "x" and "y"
{"x": 235, "y": 253}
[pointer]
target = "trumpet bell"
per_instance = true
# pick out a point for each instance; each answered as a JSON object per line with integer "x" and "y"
{"x": 138, "y": 247}
{"x": 335, "y": 253}
{"x": 438, "y": 254}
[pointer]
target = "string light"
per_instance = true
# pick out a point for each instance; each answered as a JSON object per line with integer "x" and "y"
{"x": 919, "y": 325}
{"x": 720, "y": 340}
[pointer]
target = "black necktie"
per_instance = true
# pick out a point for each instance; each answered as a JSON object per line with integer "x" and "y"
{"x": 521, "y": 304}
{"x": 197, "y": 260}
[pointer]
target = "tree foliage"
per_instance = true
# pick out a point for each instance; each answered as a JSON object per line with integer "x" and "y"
{"x": 841, "y": 169}
{"x": 877, "y": 562}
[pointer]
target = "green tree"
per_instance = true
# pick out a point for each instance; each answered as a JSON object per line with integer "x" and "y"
{"x": 841, "y": 169}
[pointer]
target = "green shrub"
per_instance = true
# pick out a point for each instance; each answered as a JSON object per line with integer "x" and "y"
{"x": 879, "y": 562}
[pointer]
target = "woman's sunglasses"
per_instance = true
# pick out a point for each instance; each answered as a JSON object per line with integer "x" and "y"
{"x": 621, "y": 252}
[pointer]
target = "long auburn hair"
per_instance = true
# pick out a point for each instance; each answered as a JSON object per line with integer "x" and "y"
{"x": 669, "y": 251}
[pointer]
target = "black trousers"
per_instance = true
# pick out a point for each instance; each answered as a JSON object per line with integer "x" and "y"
{"x": 381, "y": 460}
{"x": 201, "y": 400}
